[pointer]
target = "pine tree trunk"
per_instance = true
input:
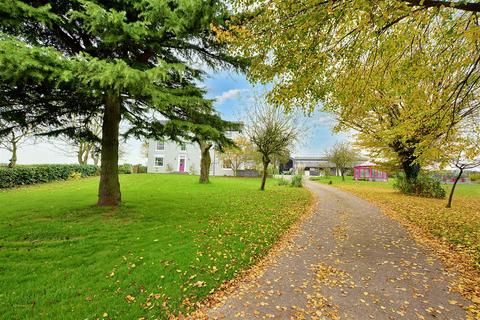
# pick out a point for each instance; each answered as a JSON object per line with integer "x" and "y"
{"x": 109, "y": 189}
{"x": 13, "y": 160}
{"x": 205, "y": 161}
{"x": 450, "y": 197}
{"x": 264, "y": 175}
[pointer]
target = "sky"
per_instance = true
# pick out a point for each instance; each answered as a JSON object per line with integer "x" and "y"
{"x": 233, "y": 94}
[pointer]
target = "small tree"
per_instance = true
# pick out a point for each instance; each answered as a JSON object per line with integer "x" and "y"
{"x": 461, "y": 165}
{"x": 238, "y": 155}
{"x": 466, "y": 150}
{"x": 12, "y": 141}
{"x": 342, "y": 155}
{"x": 272, "y": 132}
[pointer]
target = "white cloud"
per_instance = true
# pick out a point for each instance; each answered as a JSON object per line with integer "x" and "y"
{"x": 325, "y": 119}
{"x": 230, "y": 94}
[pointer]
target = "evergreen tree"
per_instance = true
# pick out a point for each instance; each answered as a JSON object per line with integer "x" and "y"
{"x": 121, "y": 60}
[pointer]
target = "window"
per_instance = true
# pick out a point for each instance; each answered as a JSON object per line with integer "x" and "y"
{"x": 183, "y": 147}
{"x": 160, "y": 145}
{"x": 158, "y": 161}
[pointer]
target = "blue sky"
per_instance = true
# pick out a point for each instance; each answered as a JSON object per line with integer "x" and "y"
{"x": 232, "y": 92}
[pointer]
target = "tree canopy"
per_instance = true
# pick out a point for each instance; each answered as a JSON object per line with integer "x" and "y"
{"x": 272, "y": 132}
{"x": 343, "y": 156}
{"x": 136, "y": 61}
{"x": 401, "y": 73}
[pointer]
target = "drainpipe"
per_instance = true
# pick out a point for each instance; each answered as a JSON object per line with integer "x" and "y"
{"x": 213, "y": 173}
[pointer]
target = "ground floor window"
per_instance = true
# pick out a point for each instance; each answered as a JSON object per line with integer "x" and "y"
{"x": 158, "y": 161}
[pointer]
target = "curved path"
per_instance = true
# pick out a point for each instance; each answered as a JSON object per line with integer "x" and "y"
{"x": 348, "y": 261}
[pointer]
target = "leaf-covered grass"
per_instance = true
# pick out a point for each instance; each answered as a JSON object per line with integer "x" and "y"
{"x": 171, "y": 243}
{"x": 466, "y": 190}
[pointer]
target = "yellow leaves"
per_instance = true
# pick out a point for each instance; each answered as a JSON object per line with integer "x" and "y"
{"x": 472, "y": 33}
{"x": 476, "y": 299}
{"x": 130, "y": 298}
{"x": 199, "y": 284}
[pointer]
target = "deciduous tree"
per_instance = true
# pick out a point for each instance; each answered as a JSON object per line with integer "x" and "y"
{"x": 13, "y": 141}
{"x": 272, "y": 132}
{"x": 342, "y": 155}
{"x": 464, "y": 152}
{"x": 402, "y": 73}
{"x": 239, "y": 155}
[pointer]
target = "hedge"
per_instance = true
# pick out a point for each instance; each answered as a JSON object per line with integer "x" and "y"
{"x": 25, "y": 175}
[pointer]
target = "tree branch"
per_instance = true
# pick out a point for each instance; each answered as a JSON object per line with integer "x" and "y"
{"x": 465, "y": 6}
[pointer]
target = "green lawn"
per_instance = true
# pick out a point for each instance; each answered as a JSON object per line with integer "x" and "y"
{"x": 170, "y": 243}
{"x": 466, "y": 190}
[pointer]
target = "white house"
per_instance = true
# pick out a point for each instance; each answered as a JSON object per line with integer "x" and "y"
{"x": 169, "y": 156}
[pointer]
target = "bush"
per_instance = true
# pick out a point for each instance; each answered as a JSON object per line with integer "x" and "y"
{"x": 138, "y": 168}
{"x": 125, "y": 168}
{"x": 474, "y": 176}
{"x": 425, "y": 185}
{"x": 283, "y": 182}
{"x": 26, "y": 175}
{"x": 297, "y": 181}
{"x": 74, "y": 175}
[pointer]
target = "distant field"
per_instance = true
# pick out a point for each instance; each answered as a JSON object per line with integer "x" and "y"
{"x": 171, "y": 243}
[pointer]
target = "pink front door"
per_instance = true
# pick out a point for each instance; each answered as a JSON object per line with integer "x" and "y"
{"x": 181, "y": 166}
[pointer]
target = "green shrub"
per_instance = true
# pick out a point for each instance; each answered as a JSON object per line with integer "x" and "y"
{"x": 26, "y": 175}
{"x": 283, "y": 182}
{"x": 125, "y": 168}
{"x": 474, "y": 176}
{"x": 139, "y": 168}
{"x": 426, "y": 185}
{"x": 297, "y": 181}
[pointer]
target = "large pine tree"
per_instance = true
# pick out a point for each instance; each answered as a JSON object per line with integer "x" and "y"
{"x": 121, "y": 60}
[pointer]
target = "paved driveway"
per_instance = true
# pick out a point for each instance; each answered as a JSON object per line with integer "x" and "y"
{"x": 348, "y": 261}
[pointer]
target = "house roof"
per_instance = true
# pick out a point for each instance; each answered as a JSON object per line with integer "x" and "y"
{"x": 366, "y": 164}
{"x": 315, "y": 162}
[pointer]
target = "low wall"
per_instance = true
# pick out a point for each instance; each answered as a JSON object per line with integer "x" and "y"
{"x": 247, "y": 173}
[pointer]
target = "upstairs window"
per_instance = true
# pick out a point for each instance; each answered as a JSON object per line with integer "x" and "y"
{"x": 183, "y": 147}
{"x": 160, "y": 145}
